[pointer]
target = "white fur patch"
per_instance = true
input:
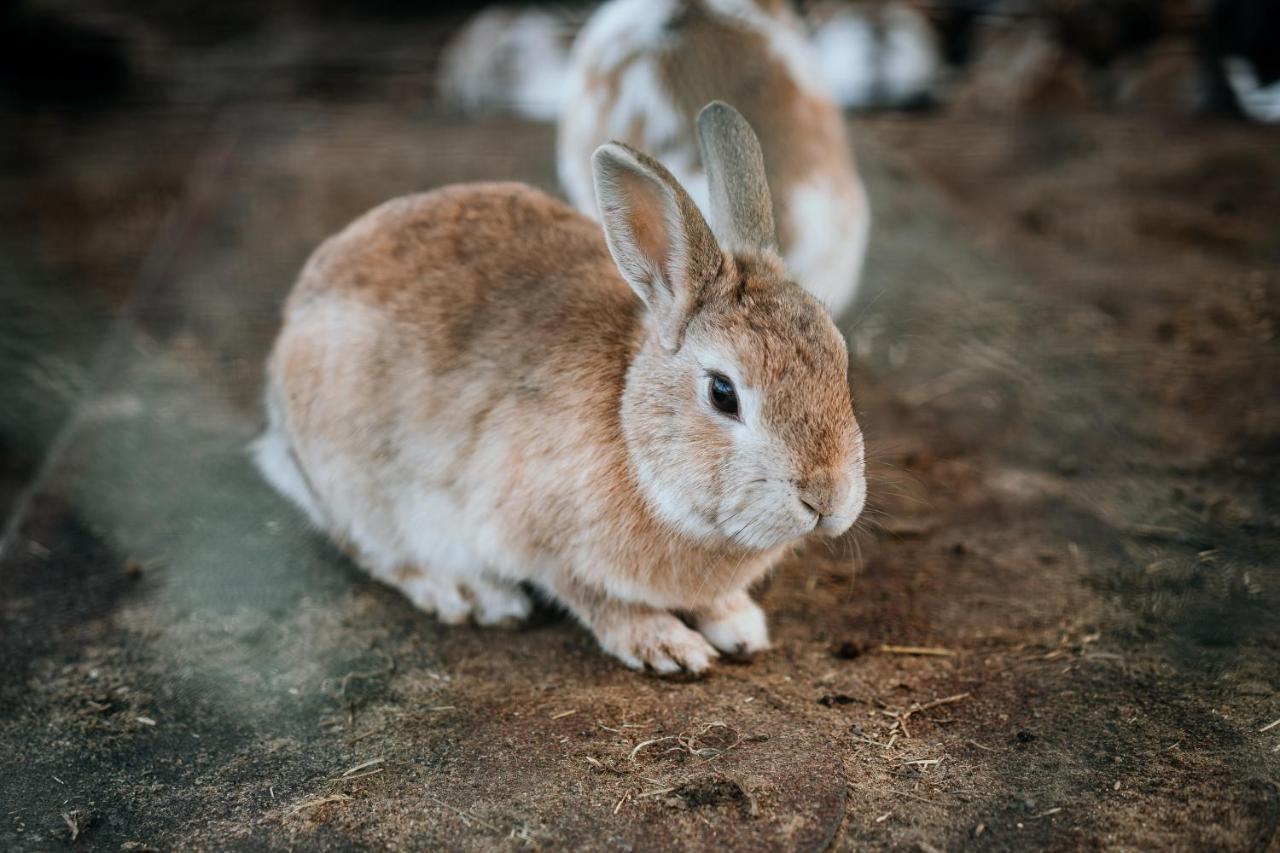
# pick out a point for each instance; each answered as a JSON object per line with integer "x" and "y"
{"x": 869, "y": 63}
{"x": 275, "y": 458}
{"x": 910, "y": 61}
{"x": 847, "y": 52}
{"x": 498, "y": 604}
{"x": 743, "y": 631}
{"x": 576, "y": 138}
{"x": 508, "y": 59}
{"x": 454, "y": 602}
{"x": 831, "y": 231}
{"x": 672, "y": 506}
{"x": 621, "y": 29}
{"x": 642, "y": 98}
{"x": 1260, "y": 103}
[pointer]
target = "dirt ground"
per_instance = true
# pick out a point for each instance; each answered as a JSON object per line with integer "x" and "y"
{"x": 1058, "y": 626}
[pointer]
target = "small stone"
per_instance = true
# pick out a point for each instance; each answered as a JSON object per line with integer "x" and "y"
{"x": 848, "y": 650}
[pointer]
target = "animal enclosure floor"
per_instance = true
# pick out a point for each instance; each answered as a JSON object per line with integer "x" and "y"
{"x": 1057, "y": 627}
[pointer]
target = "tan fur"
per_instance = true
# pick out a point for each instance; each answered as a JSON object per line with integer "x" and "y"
{"x": 476, "y": 348}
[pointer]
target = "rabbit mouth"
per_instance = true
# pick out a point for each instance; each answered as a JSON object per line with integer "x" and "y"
{"x": 833, "y": 525}
{"x": 771, "y": 530}
{"x": 770, "y": 520}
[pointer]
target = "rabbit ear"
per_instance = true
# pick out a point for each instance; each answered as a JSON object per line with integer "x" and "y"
{"x": 741, "y": 208}
{"x": 657, "y": 237}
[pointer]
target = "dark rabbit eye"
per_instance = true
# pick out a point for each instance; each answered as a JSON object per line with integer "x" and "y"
{"x": 723, "y": 397}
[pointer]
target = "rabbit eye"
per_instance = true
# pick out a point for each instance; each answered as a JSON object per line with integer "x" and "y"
{"x": 722, "y": 395}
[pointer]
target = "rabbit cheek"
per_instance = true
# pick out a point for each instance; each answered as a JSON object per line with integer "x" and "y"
{"x": 676, "y": 479}
{"x": 702, "y": 472}
{"x": 756, "y": 513}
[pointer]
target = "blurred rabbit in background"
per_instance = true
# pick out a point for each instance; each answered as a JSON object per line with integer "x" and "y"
{"x": 509, "y": 59}
{"x": 1172, "y": 57}
{"x": 1242, "y": 44}
{"x": 642, "y": 69}
{"x": 883, "y": 55}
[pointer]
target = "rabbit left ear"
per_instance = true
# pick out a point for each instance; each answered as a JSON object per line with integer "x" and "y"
{"x": 658, "y": 239}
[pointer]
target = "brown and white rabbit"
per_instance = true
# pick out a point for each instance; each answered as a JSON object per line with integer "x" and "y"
{"x": 641, "y": 69}
{"x": 474, "y": 388}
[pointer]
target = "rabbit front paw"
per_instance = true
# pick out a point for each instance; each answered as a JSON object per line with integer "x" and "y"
{"x": 735, "y": 625}
{"x": 655, "y": 640}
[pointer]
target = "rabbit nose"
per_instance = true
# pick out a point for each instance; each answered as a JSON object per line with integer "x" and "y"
{"x": 821, "y": 493}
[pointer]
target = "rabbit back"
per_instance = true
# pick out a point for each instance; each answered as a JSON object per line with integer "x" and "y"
{"x": 425, "y": 347}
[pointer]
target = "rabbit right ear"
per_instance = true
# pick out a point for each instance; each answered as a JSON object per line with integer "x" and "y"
{"x": 741, "y": 207}
{"x": 657, "y": 236}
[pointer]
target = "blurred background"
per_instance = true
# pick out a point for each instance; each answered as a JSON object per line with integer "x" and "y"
{"x": 1065, "y": 360}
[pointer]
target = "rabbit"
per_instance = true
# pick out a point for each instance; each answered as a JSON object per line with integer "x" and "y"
{"x": 476, "y": 389}
{"x": 1241, "y": 59}
{"x": 509, "y": 59}
{"x": 876, "y": 55}
{"x": 640, "y": 70}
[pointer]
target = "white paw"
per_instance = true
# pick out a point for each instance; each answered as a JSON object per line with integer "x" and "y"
{"x": 455, "y": 602}
{"x": 736, "y": 626}
{"x": 498, "y": 603}
{"x": 656, "y": 641}
{"x": 441, "y": 596}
